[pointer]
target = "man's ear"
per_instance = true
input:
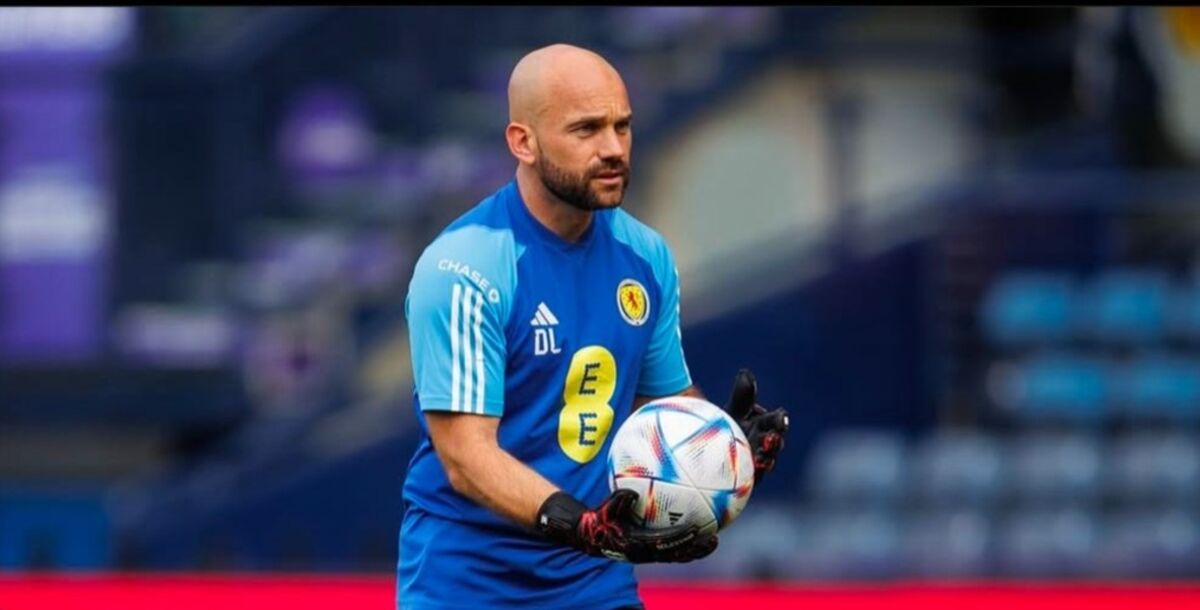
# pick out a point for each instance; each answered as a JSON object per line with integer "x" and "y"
{"x": 522, "y": 142}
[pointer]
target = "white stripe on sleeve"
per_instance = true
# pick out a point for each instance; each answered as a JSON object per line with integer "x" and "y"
{"x": 454, "y": 300}
{"x": 480, "y": 374}
{"x": 468, "y": 298}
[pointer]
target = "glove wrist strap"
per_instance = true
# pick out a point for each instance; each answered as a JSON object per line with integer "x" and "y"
{"x": 558, "y": 518}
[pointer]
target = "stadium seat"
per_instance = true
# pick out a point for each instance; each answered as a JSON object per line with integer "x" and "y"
{"x": 850, "y": 543}
{"x": 1126, "y": 307}
{"x": 858, "y": 466}
{"x": 1153, "y": 466}
{"x": 953, "y": 469}
{"x": 1163, "y": 542}
{"x": 1057, "y": 542}
{"x": 1055, "y": 468}
{"x": 1161, "y": 387}
{"x": 948, "y": 543}
{"x": 1028, "y": 307}
{"x": 1058, "y": 386}
{"x": 1183, "y": 321}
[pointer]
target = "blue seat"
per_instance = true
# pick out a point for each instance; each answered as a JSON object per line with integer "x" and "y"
{"x": 858, "y": 466}
{"x": 1183, "y": 320}
{"x": 1127, "y": 307}
{"x": 1055, "y": 468}
{"x": 1159, "y": 543}
{"x": 851, "y": 543}
{"x": 1025, "y": 307}
{"x": 1055, "y": 386}
{"x": 954, "y": 469}
{"x": 1161, "y": 386}
{"x": 1058, "y": 542}
{"x": 949, "y": 543}
{"x": 1153, "y": 466}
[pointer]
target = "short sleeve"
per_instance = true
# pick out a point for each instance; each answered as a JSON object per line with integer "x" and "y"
{"x": 664, "y": 368}
{"x": 456, "y": 309}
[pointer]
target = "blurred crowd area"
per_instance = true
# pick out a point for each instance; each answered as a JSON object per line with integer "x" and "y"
{"x": 959, "y": 244}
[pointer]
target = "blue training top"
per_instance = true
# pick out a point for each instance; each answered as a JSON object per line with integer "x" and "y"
{"x": 508, "y": 320}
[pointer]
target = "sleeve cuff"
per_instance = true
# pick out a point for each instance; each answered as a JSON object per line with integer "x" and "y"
{"x": 668, "y": 388}
{"x": 442, "y": 405}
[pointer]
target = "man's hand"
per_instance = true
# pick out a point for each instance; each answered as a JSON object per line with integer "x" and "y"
{"x": 764, "y": 429}
{"x": 610, "y": 531}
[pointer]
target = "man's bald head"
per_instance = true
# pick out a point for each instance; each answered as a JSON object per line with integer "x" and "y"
{"x": 548, "y": 77}
{"x": 570, "y": 127}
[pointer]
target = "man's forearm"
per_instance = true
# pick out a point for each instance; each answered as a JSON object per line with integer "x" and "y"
{"x": 495, "y": 479}
{"x": 484, "y": 472}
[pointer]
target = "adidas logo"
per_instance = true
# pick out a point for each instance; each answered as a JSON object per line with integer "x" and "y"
{"x": 543, "y": 322}
{"x": 544, "y": 317}
{"x": 673, "y": 517}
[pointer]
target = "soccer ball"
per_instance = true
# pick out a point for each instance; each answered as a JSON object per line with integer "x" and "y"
{"x": 687, "y": 459}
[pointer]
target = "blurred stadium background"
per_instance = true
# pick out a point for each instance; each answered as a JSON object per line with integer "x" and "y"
{"x": 960, "y": 244}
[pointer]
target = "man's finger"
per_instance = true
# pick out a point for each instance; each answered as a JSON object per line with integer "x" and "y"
{"x": 620, "y": 506}
{"x": 706, "y": 547}
{"x": 699, "y": 549}
{"x": 775, "y": 421}
{"x": 743, "y": 395}
{"x": 772, "y": 443}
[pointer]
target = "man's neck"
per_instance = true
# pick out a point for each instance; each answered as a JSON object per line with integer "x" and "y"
{"x": 567, "y": 222}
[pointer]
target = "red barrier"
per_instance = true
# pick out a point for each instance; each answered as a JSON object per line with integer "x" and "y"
{"x": 313, "y": 592}
{"x": 925, "y": 596}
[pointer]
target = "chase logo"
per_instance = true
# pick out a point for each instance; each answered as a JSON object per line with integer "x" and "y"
{"x": 633, "y": 302}
{"x": 463, "y": 269}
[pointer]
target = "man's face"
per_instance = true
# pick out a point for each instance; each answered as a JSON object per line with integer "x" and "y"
{"x": 584, "y": 143}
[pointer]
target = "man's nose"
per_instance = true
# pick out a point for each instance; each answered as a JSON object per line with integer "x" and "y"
{"x": 611, "y": 146}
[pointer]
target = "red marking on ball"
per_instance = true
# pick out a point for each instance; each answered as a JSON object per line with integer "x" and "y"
{"x": 651, "y": 503}
{"x": 636, "y": 471}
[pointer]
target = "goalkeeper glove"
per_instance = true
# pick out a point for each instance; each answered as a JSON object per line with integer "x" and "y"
{"x": 609, "y": 531}
{"x": 764, "y": 429}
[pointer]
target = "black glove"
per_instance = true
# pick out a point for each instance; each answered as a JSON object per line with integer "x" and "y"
{"x": 764, "y": 429}
{"x": 610, "y": 531}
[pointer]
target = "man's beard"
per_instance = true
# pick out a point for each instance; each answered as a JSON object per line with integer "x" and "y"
{"x": 576, "y": 190}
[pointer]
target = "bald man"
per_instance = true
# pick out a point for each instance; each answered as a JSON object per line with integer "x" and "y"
{"x": 538, "y": 321}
